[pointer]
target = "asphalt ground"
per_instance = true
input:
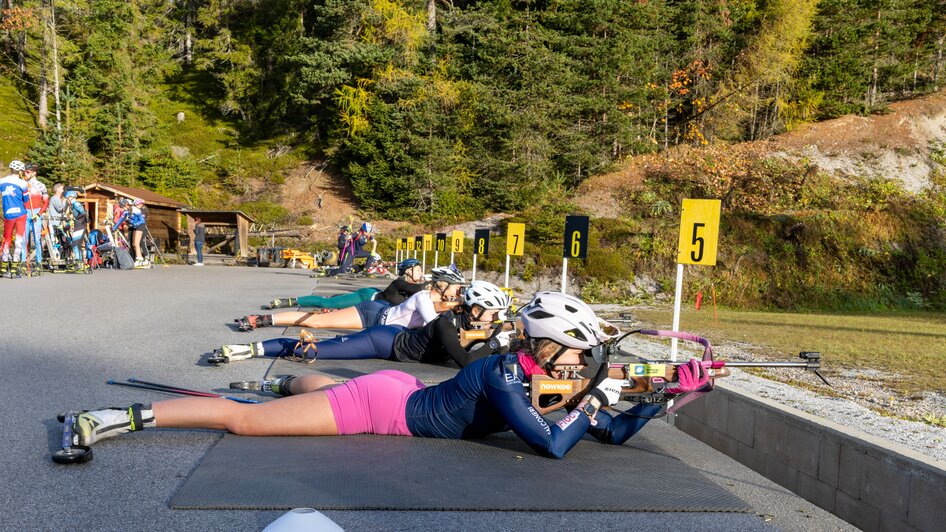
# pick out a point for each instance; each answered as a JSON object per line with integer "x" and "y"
{"x": 64, "y": 335}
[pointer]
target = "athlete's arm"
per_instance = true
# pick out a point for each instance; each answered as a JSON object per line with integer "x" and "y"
{"x": 618, "y": 429}
{"x": 425, "y": 306}
{"x": 121, "y": 220}
{"x": 445, "y": 332}
{"x": 506, "y": 393}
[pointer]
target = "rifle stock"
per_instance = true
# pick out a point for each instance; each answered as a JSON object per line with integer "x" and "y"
{"x": 645, "y": 381}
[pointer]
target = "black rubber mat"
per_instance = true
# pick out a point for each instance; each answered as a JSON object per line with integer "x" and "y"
{"x": 401, "y": 473}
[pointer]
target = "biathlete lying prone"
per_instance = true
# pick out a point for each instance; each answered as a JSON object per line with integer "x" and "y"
{"x": 485, "y": 397}
{"x": 410, "y": 281}
{"x": 440, "y": 340}
{"x": 414, "y": 312}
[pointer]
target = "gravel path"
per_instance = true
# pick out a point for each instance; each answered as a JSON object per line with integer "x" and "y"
{"x": 859, "y": 393}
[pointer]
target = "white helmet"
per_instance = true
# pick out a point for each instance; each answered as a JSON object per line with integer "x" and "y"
{"x": 449, "y": 274}
{"x": 366, "y": 227}
{"x": 17, "y": 166}
{"x": 562, "y": 318}
{"x": 486, "y": 295}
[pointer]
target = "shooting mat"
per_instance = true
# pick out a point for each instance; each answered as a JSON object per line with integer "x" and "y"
{"x": 399, "y": 473}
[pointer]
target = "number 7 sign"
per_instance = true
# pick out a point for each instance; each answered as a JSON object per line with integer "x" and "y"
{"x": 699, "y": 232}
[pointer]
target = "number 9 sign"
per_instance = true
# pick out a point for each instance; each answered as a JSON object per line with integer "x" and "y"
{"x": 699, "y": 232}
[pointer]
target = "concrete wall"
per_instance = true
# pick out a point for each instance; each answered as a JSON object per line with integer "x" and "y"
{"x": 873, "y": 484}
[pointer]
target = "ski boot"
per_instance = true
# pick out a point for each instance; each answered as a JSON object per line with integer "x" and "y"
{"x": 281, "y": 303}
{"x": 254, "y": 321}
{"x": 229, "y": 353}
{"x": 96, "y": 425}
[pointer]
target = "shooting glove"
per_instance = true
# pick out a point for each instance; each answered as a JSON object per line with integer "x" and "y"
{"x": 690, "y": 377}
{"x": 502, "y": 339}
{"x": 608, "y": 391}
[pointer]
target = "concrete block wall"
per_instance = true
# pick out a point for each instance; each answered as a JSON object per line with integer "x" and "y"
{"x": 872, "y": 484}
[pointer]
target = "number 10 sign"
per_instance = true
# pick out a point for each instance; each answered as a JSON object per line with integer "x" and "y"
{"x": 699, "y": 232}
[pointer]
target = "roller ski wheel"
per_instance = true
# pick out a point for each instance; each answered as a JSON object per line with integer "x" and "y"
{"x": 218, "y": 358}
{"x": 71, "y": 454}
{"x": 251, "y": 386}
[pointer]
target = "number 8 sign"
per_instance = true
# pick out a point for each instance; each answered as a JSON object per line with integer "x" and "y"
{"x": 699, "y": 232}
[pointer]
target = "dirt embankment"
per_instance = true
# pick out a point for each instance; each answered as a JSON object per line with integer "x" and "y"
{"x": 315, "y": 190}
{"x": 899, "y": 145}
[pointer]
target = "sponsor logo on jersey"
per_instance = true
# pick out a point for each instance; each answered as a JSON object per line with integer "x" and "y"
{"x": 540, "y": 419}
{"x": 568, "y": 420}
{"x": 511, "y": 375}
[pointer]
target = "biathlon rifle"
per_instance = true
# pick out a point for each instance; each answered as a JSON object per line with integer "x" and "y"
{"x": 646, "y": 381}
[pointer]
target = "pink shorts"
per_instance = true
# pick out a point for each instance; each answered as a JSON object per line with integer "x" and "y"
{"x": 373, "y": 403}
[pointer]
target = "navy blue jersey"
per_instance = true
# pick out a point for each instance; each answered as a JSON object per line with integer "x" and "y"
{"x": 488, "y": 396}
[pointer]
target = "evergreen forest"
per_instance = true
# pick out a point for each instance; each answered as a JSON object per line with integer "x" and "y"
{"x": 435, "y": 110}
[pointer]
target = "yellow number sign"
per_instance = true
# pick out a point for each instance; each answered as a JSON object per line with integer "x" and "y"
{"x": 410, "y": 244}
{"x": 515, "y": 239}
{"x": 428, "y": 242}
{"x": 457, "y": 242}
{"x": 399, "y": 245}
{"x": 699, "y": 232}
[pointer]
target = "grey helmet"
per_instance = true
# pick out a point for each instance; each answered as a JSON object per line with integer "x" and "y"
{"x": 562, "y": 318}
{"x": 449, "y": 274}
{"x": 488, "y": 296}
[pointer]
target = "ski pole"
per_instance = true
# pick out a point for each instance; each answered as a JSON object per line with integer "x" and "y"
{"x": 192, "y": 393}
{"x": 159, "y": 385}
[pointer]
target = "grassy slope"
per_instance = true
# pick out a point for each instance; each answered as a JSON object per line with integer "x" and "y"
{"x": 204, "y": 131}
{"x": 906, "y": 344}
{"x": 17, "y": 127}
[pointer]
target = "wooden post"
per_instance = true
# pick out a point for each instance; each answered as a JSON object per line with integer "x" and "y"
{"x": 243, "y": 233}
{"x": 191, "y": 250}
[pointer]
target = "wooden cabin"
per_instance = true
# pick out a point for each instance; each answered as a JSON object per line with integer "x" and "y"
{"x": 164, "y": 220}
{"x": 225, "y": 229}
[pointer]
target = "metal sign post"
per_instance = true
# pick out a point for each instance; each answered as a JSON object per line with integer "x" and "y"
{"x": 480, "y": 246}
{"x": 441, "y": 245}
{"x": 575, "y": 244}
{"x": 515, "y": 244}
{"x": 456, "y": 244}
{"x": 428, "y": 245}
{"x": 699, "y": 237}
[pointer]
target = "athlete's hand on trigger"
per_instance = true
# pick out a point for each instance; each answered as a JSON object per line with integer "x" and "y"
{"x": 505, "y": 338}
{"x": 690, "y": 377}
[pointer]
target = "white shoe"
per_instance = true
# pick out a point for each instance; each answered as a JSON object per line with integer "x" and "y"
{"x": 198, "y": 264}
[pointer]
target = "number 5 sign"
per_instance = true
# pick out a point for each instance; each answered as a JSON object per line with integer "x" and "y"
{"x": 699, "y": 235}
{"x": 699, "y": 232}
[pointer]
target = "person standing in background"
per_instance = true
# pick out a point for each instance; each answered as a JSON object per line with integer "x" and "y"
{"x": 36, "y": 204}
{"x": 200, "y": 234}
{"x": 56, "y": 212}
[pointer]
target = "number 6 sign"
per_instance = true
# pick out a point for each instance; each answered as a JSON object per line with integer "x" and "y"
{"x": 699, "y": 232}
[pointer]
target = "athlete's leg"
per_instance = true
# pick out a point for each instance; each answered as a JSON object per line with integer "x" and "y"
{"x": 7, "y": 238}
{"x": 308, "y": 414}
{"x": 136, "y": 239}
{"x": 339, "y": 301}
{"x": 37, "y": 226}
{"x": 346, "y": 318}
{"x": 19, "y": 238}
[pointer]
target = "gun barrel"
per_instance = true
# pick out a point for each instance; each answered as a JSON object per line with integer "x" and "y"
{"x": 769, "y": 364}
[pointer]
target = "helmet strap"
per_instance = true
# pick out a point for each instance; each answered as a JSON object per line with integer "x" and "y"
{"x": 558, "y": 354}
